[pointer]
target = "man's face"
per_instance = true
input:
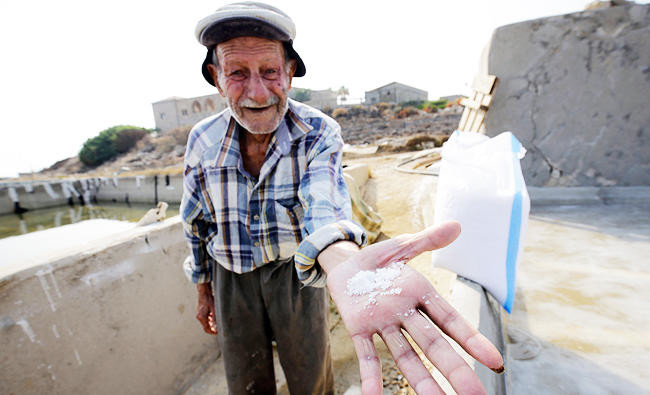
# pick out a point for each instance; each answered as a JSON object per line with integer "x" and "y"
{"x": 254, "y": 79}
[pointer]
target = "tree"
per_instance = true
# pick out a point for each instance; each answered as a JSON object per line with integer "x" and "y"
{"x": 301, "y": 95}
{"x": 109, "y": 143}
{"x": 342, "y": 94}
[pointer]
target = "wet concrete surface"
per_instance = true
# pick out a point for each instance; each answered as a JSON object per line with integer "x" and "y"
{"x": 581, "y": 318}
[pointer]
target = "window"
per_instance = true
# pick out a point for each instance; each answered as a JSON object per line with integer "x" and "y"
{"x": 196, "y": 107}
{"x": 209, "y": 105}
{"x": 184, "y": 113}
{"x": 162, "y": 115}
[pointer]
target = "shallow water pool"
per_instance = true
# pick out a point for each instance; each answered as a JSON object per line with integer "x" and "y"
{"x": 31, "y": 221}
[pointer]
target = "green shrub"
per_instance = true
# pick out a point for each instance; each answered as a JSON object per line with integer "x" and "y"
{"x": 413, "y": 103}
{"x": 438, "y": 103}
{"x": 103, "y": 147}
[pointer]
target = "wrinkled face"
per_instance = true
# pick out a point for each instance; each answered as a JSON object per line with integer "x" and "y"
{"x": 255, "y": 80}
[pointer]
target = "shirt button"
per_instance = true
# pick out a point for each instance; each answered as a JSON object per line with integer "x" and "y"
{"x": 257, "y": 244}
{"x": 256, "y": 217}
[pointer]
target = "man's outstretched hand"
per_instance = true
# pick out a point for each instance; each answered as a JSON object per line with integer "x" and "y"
{"x": 376, "y": 292}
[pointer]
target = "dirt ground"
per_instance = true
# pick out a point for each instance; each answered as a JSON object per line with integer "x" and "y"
{"x": 398, "y": 198}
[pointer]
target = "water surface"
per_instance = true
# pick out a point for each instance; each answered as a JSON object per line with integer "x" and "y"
{"x": 34, "y": 220}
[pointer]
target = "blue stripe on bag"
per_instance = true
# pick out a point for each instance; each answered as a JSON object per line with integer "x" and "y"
{"x": 514, "y": 230}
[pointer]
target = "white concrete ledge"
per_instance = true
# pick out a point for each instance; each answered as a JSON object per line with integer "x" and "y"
{"x": 116, "y": 317}
{"x": 545, "y": 196}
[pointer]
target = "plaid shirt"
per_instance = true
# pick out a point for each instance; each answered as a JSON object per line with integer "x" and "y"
{"x": 297, "y": 207}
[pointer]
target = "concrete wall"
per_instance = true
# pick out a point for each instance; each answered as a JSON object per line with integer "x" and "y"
{"x": 574, "y": 89}
{"x": 148, "y": 191}
{"x": 105, "y": 190}
{"x": 178, "y": 111}
{"x": 38, "y": 198}
{"x": 117, "y": 318}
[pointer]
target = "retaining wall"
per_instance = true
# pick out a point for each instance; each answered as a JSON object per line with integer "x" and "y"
{"x": 574, "y": 90}
{"x": 117, "y": 318}
{"x": 140, "y": 189}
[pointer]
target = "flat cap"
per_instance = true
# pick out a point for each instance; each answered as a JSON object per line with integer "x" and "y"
{"x": 247, "y": 19}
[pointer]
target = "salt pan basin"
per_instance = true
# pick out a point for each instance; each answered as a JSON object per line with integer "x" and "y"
{"x": 22, "y": 252}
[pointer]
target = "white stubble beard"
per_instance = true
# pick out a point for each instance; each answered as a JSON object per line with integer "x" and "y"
{"x": 248, "y": 103}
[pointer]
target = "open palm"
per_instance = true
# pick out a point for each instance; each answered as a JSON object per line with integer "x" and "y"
{"x": 376, "y": 292}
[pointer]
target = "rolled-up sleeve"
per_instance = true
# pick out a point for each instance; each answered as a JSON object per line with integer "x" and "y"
{"x": 328, "y": 213}
{"x": 197, "y": 266}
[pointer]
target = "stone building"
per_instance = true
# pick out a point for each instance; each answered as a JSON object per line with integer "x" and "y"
{"x": 319, "y": 99}
{"x": 395, "y": 93}
{"x": 178, "y": 111}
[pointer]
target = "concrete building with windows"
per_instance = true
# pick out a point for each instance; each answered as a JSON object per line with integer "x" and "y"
{"x": 176, "y": 111}
{"x": 395, "y": 93}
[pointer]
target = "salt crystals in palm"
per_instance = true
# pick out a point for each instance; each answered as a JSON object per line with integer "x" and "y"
{"x": 377, "y": 282}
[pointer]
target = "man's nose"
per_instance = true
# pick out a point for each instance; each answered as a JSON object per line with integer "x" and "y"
{"x": 257, "y": 90}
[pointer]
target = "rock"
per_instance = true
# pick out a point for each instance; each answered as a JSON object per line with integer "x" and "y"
{"x": 179, "y": 150}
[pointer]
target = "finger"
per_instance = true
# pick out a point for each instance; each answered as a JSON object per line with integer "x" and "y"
{"x": 455, "y": 326}
{"x": 213, "y": 322}
{"x": 369, "y": 364}
{"x": 459, "y": 374}
{"x": 202, "y": 315}
{"x": 409, "y": 362}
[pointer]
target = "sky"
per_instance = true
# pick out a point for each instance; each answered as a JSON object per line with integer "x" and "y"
{"x": 71, "y": 69}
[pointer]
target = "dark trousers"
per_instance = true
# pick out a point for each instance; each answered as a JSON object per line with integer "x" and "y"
{"x": 268, "y": 304}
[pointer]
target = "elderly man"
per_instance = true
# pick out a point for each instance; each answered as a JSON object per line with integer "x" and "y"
{"x": 267, "y": 215}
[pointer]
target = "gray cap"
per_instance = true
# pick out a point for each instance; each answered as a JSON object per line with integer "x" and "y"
{"x": 247, "y": 19}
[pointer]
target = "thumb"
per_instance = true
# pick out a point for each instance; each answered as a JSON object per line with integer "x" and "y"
{"x": 432, "y": 238}
{"x": 408, "y": 246}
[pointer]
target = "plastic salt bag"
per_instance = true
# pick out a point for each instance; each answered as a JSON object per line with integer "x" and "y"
{"x": 481, "y": 186}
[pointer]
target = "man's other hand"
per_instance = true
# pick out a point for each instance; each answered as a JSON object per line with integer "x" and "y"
{"x": 376, "y": 292}
{"x": 205, "y": 309}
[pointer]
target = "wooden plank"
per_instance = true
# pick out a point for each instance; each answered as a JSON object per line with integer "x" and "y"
{"x": 485, "y": 103}
{"x": 478, "y": 121}
{"x": 481, "y": 103}
{"x": 463, "y": 118}
{"x": 470, "y": 121}
{"x": 484, "y": 83}
{"x": 468, "y": 103}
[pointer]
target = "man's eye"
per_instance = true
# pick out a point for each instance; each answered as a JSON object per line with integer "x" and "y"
{"x": 270, "y": 73}
{"x": 236, "y": 73}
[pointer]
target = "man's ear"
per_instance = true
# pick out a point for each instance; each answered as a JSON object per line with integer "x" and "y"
{"x": 214, "y": 73}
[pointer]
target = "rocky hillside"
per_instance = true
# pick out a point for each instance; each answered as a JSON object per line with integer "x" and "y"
{"x": 392, "y": 128}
